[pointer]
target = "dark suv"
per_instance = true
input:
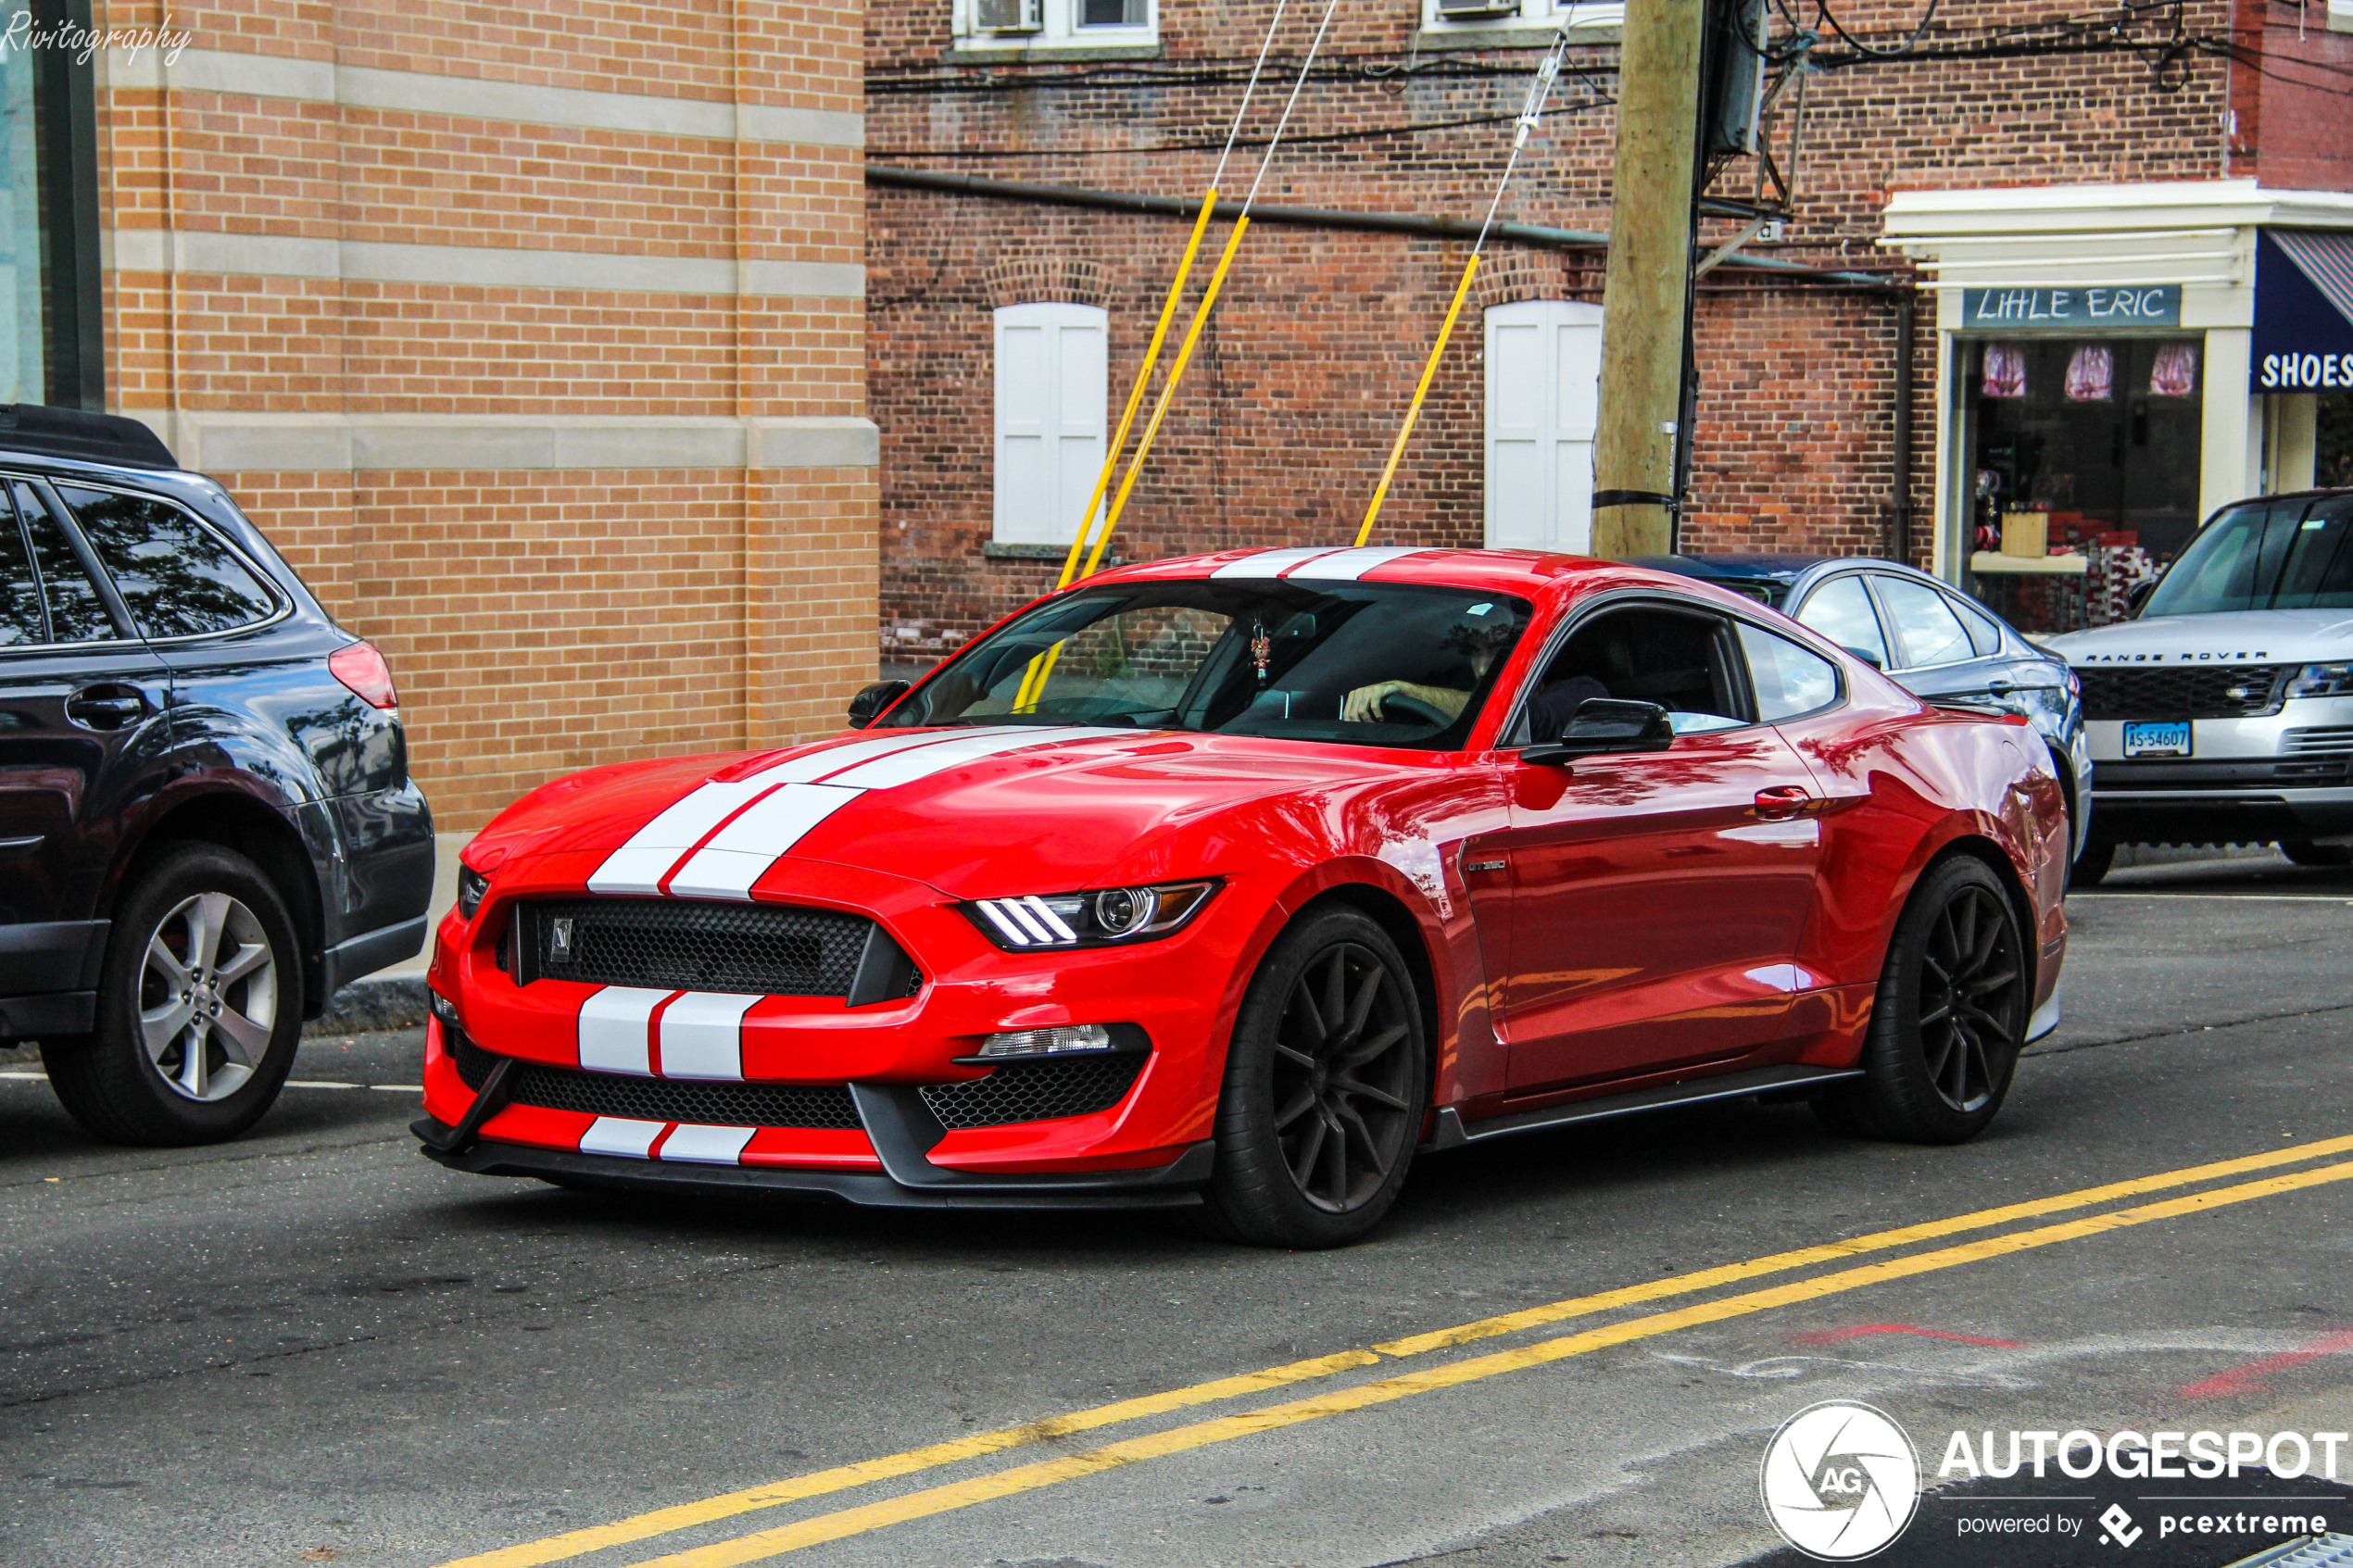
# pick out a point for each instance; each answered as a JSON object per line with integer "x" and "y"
{"x": 206, "y": 821}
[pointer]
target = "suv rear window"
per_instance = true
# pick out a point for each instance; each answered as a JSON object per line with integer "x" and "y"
{"x": 176, "y": 576}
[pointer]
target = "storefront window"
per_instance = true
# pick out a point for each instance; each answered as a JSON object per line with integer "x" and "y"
{"x": 22, "y": 374}
{"x": 2332, "y": 441}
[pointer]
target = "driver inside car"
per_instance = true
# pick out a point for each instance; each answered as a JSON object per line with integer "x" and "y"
{"x": 1549, "y": 708}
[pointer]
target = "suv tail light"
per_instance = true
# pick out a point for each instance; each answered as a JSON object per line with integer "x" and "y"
{"x": 363, "y": 668}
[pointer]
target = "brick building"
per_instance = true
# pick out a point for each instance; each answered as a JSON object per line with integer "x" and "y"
{"x": 2009, "y": 152}
{"x": 533, "y": 334}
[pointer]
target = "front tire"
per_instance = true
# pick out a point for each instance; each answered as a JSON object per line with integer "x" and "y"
{"x": 199, "y": 1007}
{"x": 1326, "y": 1082}
{"x": 1949, "y": 1019}
{"x": 2304, "y": 852}
{"x": 2093, "y": 865}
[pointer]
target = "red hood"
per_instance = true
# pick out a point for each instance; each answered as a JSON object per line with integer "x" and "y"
{"x": 1048, "y": 813}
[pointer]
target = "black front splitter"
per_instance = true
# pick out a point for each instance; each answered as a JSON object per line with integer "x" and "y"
{"x": 1176, "y": 1186}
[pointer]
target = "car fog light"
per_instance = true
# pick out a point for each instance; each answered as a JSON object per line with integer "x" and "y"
{"x": 1048, "y": 1042}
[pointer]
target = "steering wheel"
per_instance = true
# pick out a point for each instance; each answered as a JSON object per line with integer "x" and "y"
{"x": 1397, "y": 704}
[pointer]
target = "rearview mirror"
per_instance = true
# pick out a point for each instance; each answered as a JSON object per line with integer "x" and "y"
{"x": 871, "y": 701}
{"x": 1866, "y": 656}
{"x": 1604, "y": 726}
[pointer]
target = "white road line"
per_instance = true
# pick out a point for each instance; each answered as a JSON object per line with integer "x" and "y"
{"x": 2250, "y": 897}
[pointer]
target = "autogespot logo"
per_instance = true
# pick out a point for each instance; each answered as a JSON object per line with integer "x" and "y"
{"x": 1840, "y": 1480}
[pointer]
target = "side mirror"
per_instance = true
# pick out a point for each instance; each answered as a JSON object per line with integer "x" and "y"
{"x": 1866, "y": 656}
{"x": 872, "y": 701}
{"x": 1604, "y": 726}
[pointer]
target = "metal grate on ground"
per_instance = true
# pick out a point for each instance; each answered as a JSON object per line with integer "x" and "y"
{"x": 2331, "y": 1551}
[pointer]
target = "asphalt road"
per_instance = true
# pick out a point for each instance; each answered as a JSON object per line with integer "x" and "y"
{"x": 313, "y": 1346}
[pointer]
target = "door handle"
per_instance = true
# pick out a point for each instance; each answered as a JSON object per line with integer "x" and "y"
{"x": 106, "y": 706}
{"x": 1781, "y": 802}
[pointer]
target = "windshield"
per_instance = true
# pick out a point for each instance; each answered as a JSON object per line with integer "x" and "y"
{"x": 2289, "y": 554}
{"x": 1356, "y": 663}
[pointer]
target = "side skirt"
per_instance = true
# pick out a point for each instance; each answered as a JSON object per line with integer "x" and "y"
{"x": 1454, "y": 1133}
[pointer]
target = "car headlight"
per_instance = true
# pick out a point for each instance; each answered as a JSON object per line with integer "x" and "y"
{"x": 1102, "y": 919}
{"x": 2322, "y": 680}
{"x": 472, "y": 885}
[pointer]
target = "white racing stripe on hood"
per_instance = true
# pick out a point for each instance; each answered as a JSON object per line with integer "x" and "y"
{"x": 697, "y": 1145}
{"x": 1271, "y": 563}
{"x": 639, "y": 864}
{"x": 702, "y": 1037}
{"x": 620, "y": 1135}
{"x": 744, "y": 849}
{"x": 1347, "y": 566}
{"x": 908, "y": 766}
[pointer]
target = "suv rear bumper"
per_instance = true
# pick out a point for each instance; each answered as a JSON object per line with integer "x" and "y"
{"x": 2203, "y": 813}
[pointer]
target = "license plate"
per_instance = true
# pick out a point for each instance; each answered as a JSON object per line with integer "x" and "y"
{"x": 2157, "y": 740}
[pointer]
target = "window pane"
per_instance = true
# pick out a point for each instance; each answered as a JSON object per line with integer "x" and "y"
{"x": 1674, "y": 660}
{"x": 19, "y": 592}
{"x": 177, "y": 578}
{"x": 1110, "y": 13}
{"x": 1924, "y": 623}
{"x": 1984, "y": 631}
{"x": 1842, "y": 612}
{"x": 76, "y": 612}
{"x": 1790, "y": 679}
{"x": 22, "y": 379}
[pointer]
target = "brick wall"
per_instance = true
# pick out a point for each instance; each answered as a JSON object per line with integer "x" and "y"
{"x": 616, "y": 251}
{"x": 1288, "y": 414}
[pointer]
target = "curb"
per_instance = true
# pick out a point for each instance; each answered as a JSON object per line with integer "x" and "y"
{"x": 368, "y": 1007}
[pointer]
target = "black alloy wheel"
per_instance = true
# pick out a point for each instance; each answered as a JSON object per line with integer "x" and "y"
{"x": 1950, "y": 1016}
{"x": 1324, "y": 1086}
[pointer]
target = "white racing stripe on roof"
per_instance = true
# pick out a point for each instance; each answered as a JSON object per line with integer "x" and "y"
{"x": 697, "y": 1145}
{"x": 1271, "y": 563}
{"x": 742, "y": 851}
{"x": 612, "y": 1029}
{"x": 908, "y": 766}
{"x": 1347, "y": 566}
{"x": 702, "y": 1037}
{"x": 620, "y": 1135}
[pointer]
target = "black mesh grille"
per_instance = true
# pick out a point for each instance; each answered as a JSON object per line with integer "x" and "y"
{"x": 2202, "y": 690}
{"x": 771, "y": 949}
{"x": 1035, "y": 1091}
{"x": 661, "y": 1099}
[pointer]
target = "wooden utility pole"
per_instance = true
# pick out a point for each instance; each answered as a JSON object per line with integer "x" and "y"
{"x": 1650, "y": 261}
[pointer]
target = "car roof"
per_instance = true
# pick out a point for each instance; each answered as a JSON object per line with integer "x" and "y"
{"x": 1523, "y": 572}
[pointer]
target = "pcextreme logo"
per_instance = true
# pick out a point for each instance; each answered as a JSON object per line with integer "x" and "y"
{"x": 1840, "y": 1480}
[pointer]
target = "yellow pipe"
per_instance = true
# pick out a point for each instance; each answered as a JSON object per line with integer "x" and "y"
{"x": 1168, "y": 391}
{"x": 1462, "y": 292}
{"x": 1044, "y": 662}
{"x": 1035, "y": 677}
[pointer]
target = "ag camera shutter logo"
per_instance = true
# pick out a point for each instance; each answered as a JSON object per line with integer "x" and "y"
{"x": 1840, "y": 1480}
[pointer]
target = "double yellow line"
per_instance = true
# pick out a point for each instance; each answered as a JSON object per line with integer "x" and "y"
{"x": 764, "y": 1544}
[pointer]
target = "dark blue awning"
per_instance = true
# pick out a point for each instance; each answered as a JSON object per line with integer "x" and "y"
{"x": 2303, "y": 311}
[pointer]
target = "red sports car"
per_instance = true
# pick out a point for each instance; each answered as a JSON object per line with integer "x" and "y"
{"x": 1226, "y": 884}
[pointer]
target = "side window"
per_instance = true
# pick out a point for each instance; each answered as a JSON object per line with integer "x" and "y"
{"x": 1984, "y": 631}
{"x": 1790, "y": 679}
{"x": 1678, "y": 659}
{"x": 1053, "y": 380}
{"x": 1925, "y": 624}
{"x": 177, "y": 577}
{"x": 77, "y": 614}
{"x": 1840, "y": 610}
{"x": 21, "y": 621}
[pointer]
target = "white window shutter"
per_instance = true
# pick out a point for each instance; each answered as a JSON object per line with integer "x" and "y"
{"x": 1052, "y": 384}
{"x": 1543, "y": 384}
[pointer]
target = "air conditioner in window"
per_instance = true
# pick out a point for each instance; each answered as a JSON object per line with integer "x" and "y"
{"x": 1467, "y": 10}
{"x": 1008, "y": 16}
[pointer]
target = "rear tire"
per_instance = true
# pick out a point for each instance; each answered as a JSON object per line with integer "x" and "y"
{"x": 1326, "y": 1083}
{"x": 2304, "y": 852}
{"x": 1949, "y": 1019}
{"x": 2093, "y": 865}
{"x": 199, "y": 1007}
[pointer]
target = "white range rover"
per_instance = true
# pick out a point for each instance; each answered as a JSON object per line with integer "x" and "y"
{"x": 2224, "y": 714}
